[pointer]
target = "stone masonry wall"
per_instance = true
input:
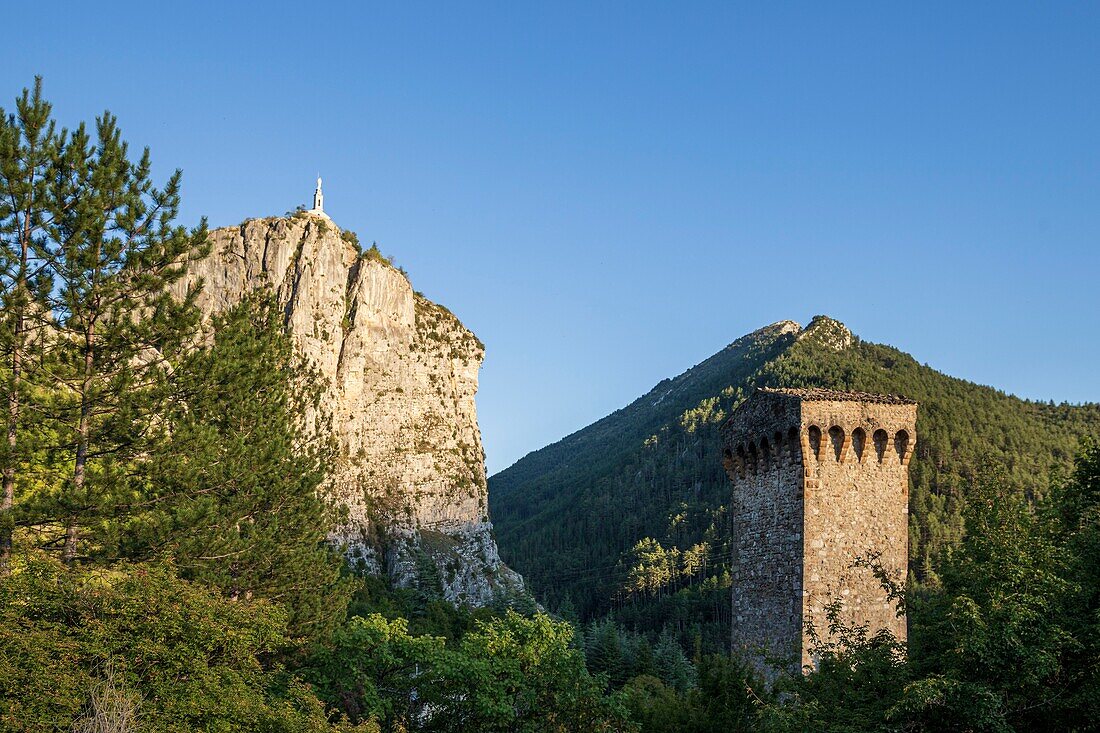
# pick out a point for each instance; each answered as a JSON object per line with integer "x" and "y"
{"x": 857, "y": 506}
{"x": 767, "y": 518}
{"x": 819, "y": 479}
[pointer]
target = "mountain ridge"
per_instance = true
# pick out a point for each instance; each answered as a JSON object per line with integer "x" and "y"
{"x": 650, "y": 471}
{"x": 666, "y": 387}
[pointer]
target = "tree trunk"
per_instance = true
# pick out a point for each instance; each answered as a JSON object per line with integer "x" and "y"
{"x": 83, "y": 431}
{"x": 7, "y": 499}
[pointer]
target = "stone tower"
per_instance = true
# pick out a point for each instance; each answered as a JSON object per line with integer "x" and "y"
{"x": 820, "y": 478}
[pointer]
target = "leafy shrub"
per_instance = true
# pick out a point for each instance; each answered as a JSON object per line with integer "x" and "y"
{"x": 189, "y": 659}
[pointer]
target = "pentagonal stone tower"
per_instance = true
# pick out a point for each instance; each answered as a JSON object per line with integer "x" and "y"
{"x": 820, "y": 479}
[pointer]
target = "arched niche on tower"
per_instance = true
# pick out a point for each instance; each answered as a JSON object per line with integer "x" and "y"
{"x": 859, "y": 443}
{"x": 881, "y": 439}
{"x": 766, "y": 452}
{"x": 813, "y": 433}
{"x": 836, "y": 441}
{"x": 901, "y": 445}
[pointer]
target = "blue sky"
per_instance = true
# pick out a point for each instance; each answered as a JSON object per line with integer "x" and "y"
{"x": 607, "y": 193}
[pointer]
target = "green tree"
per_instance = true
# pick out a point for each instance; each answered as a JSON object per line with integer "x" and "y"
{"x": 113, "y": 250}
{"x": 651, "y": 568}
{"x": 372, "y": 671}
{"x": 637, "y": 655}
{"x": 509, "y": 674}
{"x": 527, "y": 678}
{"x": 1079, "y": 529}
{"x": 185, "y": 657}
{"x": 723, "y": 700}
{"x": 654, "y": 706}
{"x": 604, "y": 651}
{"x": 990, "y": 648}
{"x": 29, "y": 149}
{"x": 672, "y": 664}
{"x": 233, "y": 484}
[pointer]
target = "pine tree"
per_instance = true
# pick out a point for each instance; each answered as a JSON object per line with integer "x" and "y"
{"x": 672, "y": 664}
{"x": 605, "y": 652}
{"x": 114, "y": 252}
{"x": 29, "y": 149}
{"x": 234, "y": 483}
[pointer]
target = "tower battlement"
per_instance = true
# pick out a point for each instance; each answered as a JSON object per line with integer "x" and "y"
{"x": 820, "y": 478}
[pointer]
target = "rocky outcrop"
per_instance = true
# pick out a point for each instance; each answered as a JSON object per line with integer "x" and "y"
{"x": 401, "y": 376}
{"x": 828, "y": 332}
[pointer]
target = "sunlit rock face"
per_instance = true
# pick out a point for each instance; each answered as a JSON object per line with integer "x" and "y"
{"x": 401, "y": 374}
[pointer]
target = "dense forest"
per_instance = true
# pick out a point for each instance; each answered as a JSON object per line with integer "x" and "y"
{"x": 163, "y": 564}
{"x": 656, "y": 466}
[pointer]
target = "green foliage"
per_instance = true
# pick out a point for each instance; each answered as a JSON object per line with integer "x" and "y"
{"x": 724, "y": 698}
{"x": 426, "y": 614}
{"x": 654, "y": 706}
{"x": 531, "y": 679}
{"x": 30, "y": 150}
{"x": 621, "y": 655}
{"x": 233, "y": 484}
{"x": 508, "y": 673}
{"x": 651, "y": 567}
{"x": 353, "y": 239}
{"x": 1008, "y": 641}
{"x": 187, "y": 658}
{"x": 375, "y": 255}
{"x": 145, "y": 446}
{"x": 858, "y": 680}
{"x": 655, "y": 465}
{"x": 722, "y": 702}
{"x": 112, "y": 251}
{"x": 671, "y": 664}
{"x": 372, "y": 670}
{"x": 604, "y": 651}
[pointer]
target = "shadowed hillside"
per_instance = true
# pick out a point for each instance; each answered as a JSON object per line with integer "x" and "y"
{"x": 628, "y": 514}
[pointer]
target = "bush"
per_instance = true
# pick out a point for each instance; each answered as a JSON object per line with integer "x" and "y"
{"x": 182, "y": 656}
{"x": 353, "y": 239}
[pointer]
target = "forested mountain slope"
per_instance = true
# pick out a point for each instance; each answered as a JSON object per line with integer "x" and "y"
{"x": 577, "y": 456}
{"x": 628, "y": 514}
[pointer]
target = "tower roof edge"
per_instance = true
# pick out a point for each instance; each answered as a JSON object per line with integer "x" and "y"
{"x": 820, "y": 394}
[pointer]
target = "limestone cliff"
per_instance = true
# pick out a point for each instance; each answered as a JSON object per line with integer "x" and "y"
{"x": 401, "y": 376}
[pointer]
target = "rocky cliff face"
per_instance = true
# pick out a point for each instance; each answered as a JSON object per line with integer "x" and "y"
{"x": 401, "y": 377}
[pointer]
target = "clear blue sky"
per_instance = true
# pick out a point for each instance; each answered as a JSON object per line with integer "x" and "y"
{"x": 607, "y": 193}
